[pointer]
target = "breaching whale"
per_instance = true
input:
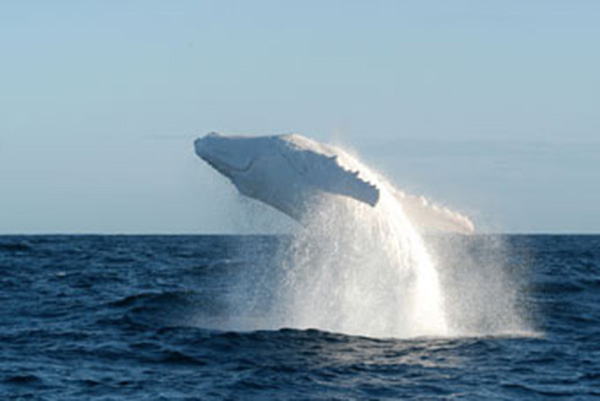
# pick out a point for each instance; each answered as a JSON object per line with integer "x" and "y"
{"x": 290, "y": 172}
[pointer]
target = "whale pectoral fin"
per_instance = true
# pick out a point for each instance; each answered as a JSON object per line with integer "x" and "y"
{"x": 327, "y": 174}
{"x": 350, "y": 184}
{"x": 433, "y": 217}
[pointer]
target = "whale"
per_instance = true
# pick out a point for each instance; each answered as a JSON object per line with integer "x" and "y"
{"x": 288, "y": 172}
{"x": 292, "y": 173}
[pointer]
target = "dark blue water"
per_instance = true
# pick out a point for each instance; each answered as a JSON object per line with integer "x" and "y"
{"x": 120, "y": 317}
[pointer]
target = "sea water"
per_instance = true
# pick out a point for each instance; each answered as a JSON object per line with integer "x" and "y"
{"x": 134, "y": 317}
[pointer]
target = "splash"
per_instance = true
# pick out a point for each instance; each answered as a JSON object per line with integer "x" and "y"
{"x": 349, "y": 268}
{"x": 361, "y": 270}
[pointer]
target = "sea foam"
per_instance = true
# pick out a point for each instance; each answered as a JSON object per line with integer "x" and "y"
{"x": 361, "y": 270}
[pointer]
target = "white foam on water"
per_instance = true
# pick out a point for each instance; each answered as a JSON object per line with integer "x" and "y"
{"x": 361, "y": 270}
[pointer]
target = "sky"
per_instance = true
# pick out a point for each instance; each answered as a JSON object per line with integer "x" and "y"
{"x": 491, "y": 108}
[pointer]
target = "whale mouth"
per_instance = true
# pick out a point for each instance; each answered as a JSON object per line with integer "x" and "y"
{"x": 225, "y": 167}
{"x": 222, "y": 158}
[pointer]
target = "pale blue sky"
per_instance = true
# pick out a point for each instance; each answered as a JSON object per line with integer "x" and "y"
{"x": 492, "y": 107}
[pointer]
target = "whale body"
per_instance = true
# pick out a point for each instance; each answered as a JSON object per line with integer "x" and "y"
{"x": 291, "y": 172}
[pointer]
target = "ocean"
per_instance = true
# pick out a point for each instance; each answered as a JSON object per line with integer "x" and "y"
{"x": 164, "y": 318}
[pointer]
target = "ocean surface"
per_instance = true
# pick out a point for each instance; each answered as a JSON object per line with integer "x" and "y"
{"x": 146, "y": 318}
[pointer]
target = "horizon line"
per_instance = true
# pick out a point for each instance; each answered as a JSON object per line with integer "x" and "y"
{"x": 182, "y": 234}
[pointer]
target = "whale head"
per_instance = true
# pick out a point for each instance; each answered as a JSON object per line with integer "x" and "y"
{"x": 228, "y": 155}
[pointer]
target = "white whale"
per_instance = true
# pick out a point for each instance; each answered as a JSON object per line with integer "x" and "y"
{"x": 290, "y": 172}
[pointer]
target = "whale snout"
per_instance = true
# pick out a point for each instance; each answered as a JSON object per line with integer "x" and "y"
{"x": 225, "y": 154}
{"x": 200, "y": 147}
